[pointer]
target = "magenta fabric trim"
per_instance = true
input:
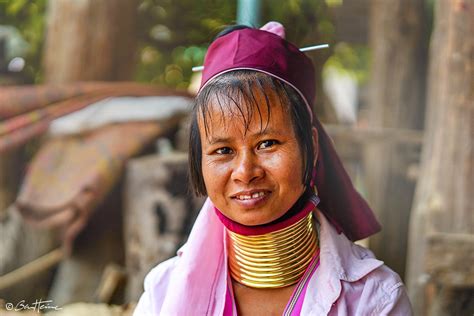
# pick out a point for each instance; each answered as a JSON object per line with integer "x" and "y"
{"x": 229, "y": 302}
{"x": 293, "y": 308}
{"x": 278, "y": 224}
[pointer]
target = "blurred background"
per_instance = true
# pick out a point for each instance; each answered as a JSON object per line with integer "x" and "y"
{"x": 94, "y": 103}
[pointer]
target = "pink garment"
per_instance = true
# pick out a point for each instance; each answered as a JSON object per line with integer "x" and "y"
{"x": 293, "y": 307}
{"x": 348, "y": 281}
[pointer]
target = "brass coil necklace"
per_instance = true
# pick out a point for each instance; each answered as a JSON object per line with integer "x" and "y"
{"x": 273, "y": 260}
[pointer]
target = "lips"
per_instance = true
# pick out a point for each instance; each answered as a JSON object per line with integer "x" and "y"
{"x": 252, "y": 198}
{"x": 250, "y": 194}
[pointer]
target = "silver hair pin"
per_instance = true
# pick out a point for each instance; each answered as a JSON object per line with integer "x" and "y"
{"x": 303, "y": 49}
{"x": 315, "y": 47}
{"x": 197, "y": 68}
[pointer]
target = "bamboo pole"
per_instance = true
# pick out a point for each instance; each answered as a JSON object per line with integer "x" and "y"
{"x": 32, "y": 268}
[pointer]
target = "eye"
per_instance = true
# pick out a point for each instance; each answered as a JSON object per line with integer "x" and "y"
{"x": 223, "y": 151}
{"x": 267, "y": 144}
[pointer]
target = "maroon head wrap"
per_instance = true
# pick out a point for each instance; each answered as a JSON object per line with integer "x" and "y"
{"x": 268, "y": 52}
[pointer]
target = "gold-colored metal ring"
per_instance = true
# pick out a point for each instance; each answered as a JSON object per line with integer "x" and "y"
{"x": 285, "y": 253}
{"x": 280, "y": 264}
{"x": 271, "y": 240}
{"x": 283, "y": 270}
{"x": 275, "y": 259}
{"x": 290, "y": 230}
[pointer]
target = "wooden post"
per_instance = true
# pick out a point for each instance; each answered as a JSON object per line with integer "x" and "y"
{"x": 396, "y": 100}
{"x": 159, "y": 213}
{"x": 90, "y": 40}
{"x": 11, "y": 164}
{"x": 444, "y": 200}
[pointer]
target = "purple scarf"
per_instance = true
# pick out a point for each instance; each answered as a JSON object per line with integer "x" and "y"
{"x": 266, "y": 51}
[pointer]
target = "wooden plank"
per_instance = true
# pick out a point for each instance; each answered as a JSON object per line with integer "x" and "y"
{"x": 396, "y": 100}
{"x": 112, "y": 278}
{"x": 30, "y": 269}
{"x": 450, "y": 274}
{"x": 450, "y": 259}
{"x": 366, "y": 135}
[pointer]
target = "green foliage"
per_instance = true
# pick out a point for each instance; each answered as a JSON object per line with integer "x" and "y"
{"x": 305, "y": 21}
{"x": 175, "y": 34}
{"x": 29, "y": 18}
{"x": 352, "y": 60}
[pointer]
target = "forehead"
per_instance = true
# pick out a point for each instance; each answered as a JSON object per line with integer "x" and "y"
{"x": 254, "y": 110}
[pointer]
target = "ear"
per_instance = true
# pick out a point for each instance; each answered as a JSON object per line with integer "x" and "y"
{"x": 315, "y": 144}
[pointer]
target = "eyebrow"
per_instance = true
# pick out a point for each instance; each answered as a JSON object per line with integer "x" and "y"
{"x": 215, "y": 140}
{"x": 268, "y": 131}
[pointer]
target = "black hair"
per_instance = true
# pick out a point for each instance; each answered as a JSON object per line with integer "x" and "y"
{"x": 230, "y": 29}
{"x": 235, "y": 90}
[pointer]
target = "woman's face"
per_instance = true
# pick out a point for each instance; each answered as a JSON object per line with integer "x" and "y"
{"x": 252, "y": 176}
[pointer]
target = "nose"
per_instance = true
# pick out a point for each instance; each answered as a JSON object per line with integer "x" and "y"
{"x": 247, "y": 168}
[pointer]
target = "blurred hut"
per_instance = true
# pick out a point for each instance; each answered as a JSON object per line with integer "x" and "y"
{"x": 441, "y": 246}
{"x": 72, "y": 181}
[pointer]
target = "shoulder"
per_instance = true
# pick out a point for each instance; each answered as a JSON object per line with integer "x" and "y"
{"x": 379, "y": 292}
{"x": 156, "y": 284}
{"x": 351, "y": 281}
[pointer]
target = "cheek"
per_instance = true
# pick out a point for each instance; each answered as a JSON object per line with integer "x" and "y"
{"x": 214, "y": 175}
{"x": 286, "y": 167}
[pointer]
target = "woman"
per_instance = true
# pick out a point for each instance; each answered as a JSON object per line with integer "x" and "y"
{"x": 264, "y": 243}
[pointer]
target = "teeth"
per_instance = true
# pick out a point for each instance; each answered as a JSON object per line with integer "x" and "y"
{"x": 258, "y": 194}
{"x": 253, "y": 196}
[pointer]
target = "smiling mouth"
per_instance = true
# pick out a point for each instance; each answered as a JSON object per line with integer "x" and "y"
{"x": 251, "y": 195}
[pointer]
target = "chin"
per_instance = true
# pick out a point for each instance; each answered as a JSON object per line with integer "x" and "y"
{"x": 254, "y": 220}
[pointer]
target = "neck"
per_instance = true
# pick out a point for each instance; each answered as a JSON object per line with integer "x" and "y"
{"x": 303, "y": 206}
{"x": 275, "y": 259}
